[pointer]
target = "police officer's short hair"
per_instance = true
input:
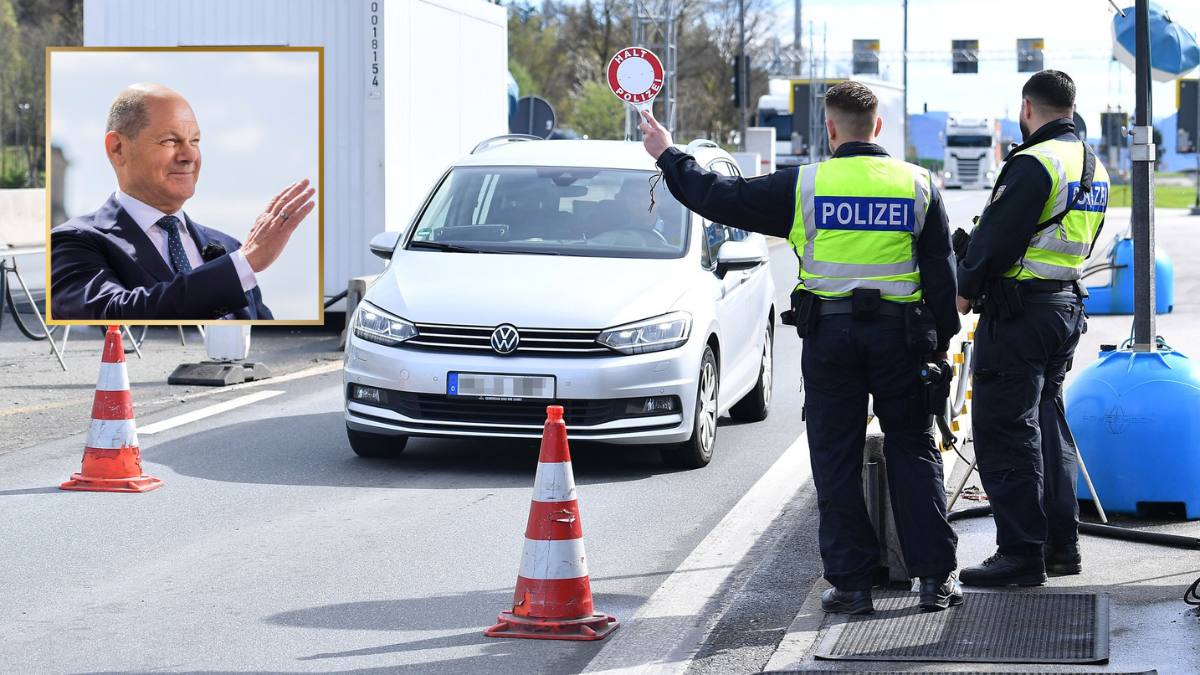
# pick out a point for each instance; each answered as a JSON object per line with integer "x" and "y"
{"x": 854, "y": 105}
{"x": 1052, "y": 91}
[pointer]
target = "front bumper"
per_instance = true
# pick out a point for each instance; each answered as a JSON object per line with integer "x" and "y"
{"x": 582, "y": 383}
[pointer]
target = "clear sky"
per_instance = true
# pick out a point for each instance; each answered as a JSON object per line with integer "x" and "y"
{"x": 1078, "y": 37}
{"x": 258, "y": 115}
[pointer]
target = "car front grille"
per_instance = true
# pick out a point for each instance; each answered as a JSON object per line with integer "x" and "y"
{"x": 442, "y": 408}
{"x": 534, "y": 341}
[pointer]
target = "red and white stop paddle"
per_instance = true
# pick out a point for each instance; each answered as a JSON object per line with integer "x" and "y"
{"x": 635, "y": 75}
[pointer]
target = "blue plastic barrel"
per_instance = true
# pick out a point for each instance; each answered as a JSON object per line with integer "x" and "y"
{"x": 1136, "y": 420}
{"x": 1117, "y": 296}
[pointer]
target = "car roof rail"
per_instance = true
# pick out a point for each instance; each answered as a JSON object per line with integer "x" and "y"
{"x": 701, "y": 143}
{"x": 500, "y": 140}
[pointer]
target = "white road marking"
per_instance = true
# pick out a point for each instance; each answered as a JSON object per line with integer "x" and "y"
{"x": 667, "y": 632}
{"x": 209, "y": 411}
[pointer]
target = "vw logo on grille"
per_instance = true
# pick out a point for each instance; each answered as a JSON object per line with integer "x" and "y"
{"x": 505, "y": 339}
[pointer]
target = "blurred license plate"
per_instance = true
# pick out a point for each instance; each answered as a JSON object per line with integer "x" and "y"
{"x": 509, "y": 387}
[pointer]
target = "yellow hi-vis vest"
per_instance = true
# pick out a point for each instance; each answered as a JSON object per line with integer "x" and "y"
{"x": 856, "y": 226}
{"x": 1060, "y": 250}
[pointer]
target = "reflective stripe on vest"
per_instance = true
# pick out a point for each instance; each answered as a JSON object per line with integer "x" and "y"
{"x": 856, "y": 226}
{"x": 1060, "y": 250}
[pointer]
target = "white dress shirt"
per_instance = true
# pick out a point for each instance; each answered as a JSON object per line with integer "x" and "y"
{"x": 147, "y": 218}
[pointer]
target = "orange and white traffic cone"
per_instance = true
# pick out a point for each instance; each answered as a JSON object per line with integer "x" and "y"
{"x": 553, "y": 600}
{"x": 112, "y": 461}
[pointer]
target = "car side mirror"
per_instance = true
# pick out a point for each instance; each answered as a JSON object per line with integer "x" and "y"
{"x": 384, "y": 243}
{"x": 739, "y": 255}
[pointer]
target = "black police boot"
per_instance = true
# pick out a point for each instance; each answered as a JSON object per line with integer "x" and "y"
{"x": 1063, "y": 560}
{"x": 1004, "y": 569}
{"x": 836, "y": 601}
{"x": 938, "y": 593}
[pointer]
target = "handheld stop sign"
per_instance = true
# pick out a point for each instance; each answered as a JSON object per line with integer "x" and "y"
{"x": 635, "y": 75}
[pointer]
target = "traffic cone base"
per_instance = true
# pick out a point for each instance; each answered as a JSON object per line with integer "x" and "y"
{"x": 85, "y": 483}
{"x": 594, "y": 627}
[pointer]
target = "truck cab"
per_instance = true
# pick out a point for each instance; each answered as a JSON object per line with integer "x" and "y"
{"x": 973, "y": 153}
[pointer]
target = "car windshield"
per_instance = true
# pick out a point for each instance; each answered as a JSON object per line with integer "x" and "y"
{"x": 969, "y": 141}
{"x": 552, "y": 211}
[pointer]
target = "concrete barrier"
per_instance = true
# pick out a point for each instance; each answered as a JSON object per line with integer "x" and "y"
{"x": 354, "y": 295}
{"x": 22, "y": 218}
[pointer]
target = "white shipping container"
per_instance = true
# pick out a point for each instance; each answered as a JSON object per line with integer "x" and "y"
{"x": 410, "y": 86}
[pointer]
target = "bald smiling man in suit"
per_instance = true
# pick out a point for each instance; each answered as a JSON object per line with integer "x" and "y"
{"x": 140, "y": 256}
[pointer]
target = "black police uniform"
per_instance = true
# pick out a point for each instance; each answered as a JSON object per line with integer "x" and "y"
{"x": 844, "y": 360}
{"x": 1027, "y": 457}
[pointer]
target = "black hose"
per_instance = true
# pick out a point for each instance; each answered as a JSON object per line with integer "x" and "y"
{"x": 1100, "y": 268}
{"x": 973, "y": 512}
{"x": 1159, "y": 538}
{"x": 16, "y": 315}
{"x": 1192, "y": 595}
{"x": 339, "y": 296}
{"x": 1098, "y": 530}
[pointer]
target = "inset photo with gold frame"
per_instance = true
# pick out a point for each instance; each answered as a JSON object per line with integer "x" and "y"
{"x": 186, "y": 185}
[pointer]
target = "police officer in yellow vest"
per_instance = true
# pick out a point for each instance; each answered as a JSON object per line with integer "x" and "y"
{"x": 1021, "y": 271}
{"x": 874, "y": 304}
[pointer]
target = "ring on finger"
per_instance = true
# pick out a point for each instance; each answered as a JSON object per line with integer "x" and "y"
{"x": 283, "y": 216}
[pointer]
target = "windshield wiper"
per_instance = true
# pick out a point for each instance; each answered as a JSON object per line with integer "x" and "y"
{"x": 443, "y": 246}
{"x": 524, "y": 252}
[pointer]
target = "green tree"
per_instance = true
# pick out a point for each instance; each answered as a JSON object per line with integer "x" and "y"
{"x": 599, "y": 114}
{"x": 520, "y": 73}
{"x": 39, "y": 24}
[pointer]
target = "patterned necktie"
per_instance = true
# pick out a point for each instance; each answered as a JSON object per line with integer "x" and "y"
{"x": 179, "y": 259}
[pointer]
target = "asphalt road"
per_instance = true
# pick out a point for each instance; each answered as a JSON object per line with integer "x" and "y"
{"x": 273, "y": 548}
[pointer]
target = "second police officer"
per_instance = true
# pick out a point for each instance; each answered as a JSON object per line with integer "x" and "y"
{"x": 1021, "y": 271}
{"x": 874, "y": 303}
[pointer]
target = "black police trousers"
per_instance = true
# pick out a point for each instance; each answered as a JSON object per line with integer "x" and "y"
{"x": 844, "y": 360}
{"x": 1027, "y": 456}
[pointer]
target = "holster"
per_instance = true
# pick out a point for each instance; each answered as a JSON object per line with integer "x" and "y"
{"x": 920, "y": 329}
{"x": 803, "y": 314}
{"x": 938, "y": 391}
{"x": 1002, "y": 298}
{"x": 864, "y": 303}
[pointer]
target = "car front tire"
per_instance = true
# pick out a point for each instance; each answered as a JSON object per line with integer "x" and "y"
{"x": 697, "y": 451}
{"x": 365, "y": 444}
{"x": 756, "y": 404}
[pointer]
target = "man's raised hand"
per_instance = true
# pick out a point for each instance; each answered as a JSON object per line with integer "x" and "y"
{"x": 275, "y": 225}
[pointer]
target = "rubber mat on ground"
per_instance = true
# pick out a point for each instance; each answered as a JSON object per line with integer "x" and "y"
{"x": 1017, "y": 627}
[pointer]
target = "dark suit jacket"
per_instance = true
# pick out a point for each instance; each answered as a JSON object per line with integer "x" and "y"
{"x": 104, "y": 267}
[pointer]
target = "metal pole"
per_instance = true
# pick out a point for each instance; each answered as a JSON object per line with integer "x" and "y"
{"x": 797, "y": 27}
{"x": 1142, "y": 154}
{"x": 743, "y": 75}
{"x": 904, "y": 105}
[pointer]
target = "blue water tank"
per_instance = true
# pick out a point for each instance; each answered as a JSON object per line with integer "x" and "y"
{"x": 1136, "y": 420}
{"x": 1117, "y": 296}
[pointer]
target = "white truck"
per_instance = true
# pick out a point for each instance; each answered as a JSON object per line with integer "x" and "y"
{"x": 973, "y": 152}
{"x": 800, "y": 135}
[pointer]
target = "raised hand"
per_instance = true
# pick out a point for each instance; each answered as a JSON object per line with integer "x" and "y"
{"x": 275, "y": 225}
{"x": 655, "y": 137}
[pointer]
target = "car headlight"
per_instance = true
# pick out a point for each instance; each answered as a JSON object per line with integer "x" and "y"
{"x": 651, "y": 335}
{"x": 375, "y": 325}
{"x": 948, "y": 174}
